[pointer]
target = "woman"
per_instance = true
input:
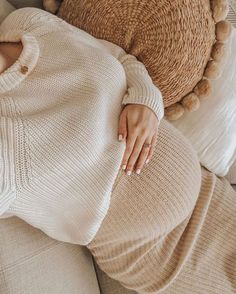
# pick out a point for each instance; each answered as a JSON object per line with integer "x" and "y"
{"x": 65, "y": 97}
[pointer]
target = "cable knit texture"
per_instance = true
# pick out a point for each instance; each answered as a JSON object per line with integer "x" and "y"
{"x": 59, "y": 123}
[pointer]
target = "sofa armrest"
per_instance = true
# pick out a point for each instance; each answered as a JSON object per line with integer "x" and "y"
{"x": 32, "y": 262}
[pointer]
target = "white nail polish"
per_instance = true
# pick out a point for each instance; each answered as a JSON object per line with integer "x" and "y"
{"x": 124, "y": 166}
{"x": 129, "y": 172}
{"x": 120, "y": 137}
{"x": 147, "y": 161}
{"x": 138, "y": 171}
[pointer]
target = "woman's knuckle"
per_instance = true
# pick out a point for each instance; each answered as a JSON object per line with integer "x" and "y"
{"x": 135, "y": 130}
{"x": 125, "y": 159}
{"x": 140, "y": 164}
{"x": 135, "y": 154}
{"x": 143, "y": 132}
{"x": 146, "y": 150}
{"x": 130, "y": 166}
{"x": 128, "y": 150}
{"x": 141, "y": 158}
{"x": 132, "y": 159}
{"x": 137, "y": 124}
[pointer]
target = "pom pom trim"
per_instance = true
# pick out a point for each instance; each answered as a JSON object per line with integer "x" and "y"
{"x": 174, "y": 112}
{"x": 203, "y": 89}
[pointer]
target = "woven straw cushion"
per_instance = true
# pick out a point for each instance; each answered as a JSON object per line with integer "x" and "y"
{"x": 174, "y": 39}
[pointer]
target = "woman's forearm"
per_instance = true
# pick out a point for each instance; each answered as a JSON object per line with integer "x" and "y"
{"x": 141, "y": 89}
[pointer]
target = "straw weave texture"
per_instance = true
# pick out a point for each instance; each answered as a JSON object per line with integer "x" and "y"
{"x": 172, "y": 38}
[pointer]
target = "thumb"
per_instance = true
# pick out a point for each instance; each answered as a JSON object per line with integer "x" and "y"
{"x": 122, "y": 128}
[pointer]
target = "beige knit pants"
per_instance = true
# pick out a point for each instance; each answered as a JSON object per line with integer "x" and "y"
{"x": 171, "y": 229}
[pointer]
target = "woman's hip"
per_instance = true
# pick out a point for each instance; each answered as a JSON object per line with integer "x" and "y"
{"x": 165, "y": 192}
{"x": 158, "y": 222}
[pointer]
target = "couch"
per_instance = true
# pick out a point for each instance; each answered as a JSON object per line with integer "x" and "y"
{"x": 33, "y": 263}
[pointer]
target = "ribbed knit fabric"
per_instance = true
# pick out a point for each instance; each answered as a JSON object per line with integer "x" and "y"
{"x": 60, "y": 153}
{"x": 172, "y": 229}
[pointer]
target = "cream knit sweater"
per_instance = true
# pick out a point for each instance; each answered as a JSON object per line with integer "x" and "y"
{"x": 60, "y": 104}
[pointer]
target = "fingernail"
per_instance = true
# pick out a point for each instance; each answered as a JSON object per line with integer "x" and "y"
{"x": 120, "y": 137}
{"x": 129, "y": 172}
{"x": 124, "y": 166}
{"x": 138, "y": 171}
{"x": 147, "y": 161}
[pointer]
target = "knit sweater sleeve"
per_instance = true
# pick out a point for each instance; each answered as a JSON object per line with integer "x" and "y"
{"x": 141, "y": 89}
{"x": 31, "y": 19}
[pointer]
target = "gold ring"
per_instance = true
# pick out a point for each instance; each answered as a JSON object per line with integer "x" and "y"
{"x": 147, "y": 145}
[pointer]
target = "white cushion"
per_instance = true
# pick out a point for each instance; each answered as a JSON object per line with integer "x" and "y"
{"x": 5, "y": 9}
{"x": 212, "y": 128}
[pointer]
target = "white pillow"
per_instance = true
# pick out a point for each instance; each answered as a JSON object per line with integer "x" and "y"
{"x": 212, "y": 128}
{"x": 5, "y": 9}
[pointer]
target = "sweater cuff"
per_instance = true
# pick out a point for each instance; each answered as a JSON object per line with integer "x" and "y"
{"x": 151, "y": 98}
{"x": 141, "y": 89}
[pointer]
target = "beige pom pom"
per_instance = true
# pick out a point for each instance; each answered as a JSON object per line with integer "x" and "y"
{"x": 223, "y": 30}
{"x": 174, "y": 111}
{"x": 220, "y": 9}
{"x": 212, "y": 70}
{"x": 218, "y": 51}
{"x": 191, "y": 102}
{"x": 203, "y": 88}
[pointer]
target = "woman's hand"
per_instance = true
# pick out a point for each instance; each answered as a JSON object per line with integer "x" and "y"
{"x": 138, "y": 125}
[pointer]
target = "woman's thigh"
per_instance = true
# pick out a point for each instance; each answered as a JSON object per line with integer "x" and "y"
{"x": 145, "y": 209}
